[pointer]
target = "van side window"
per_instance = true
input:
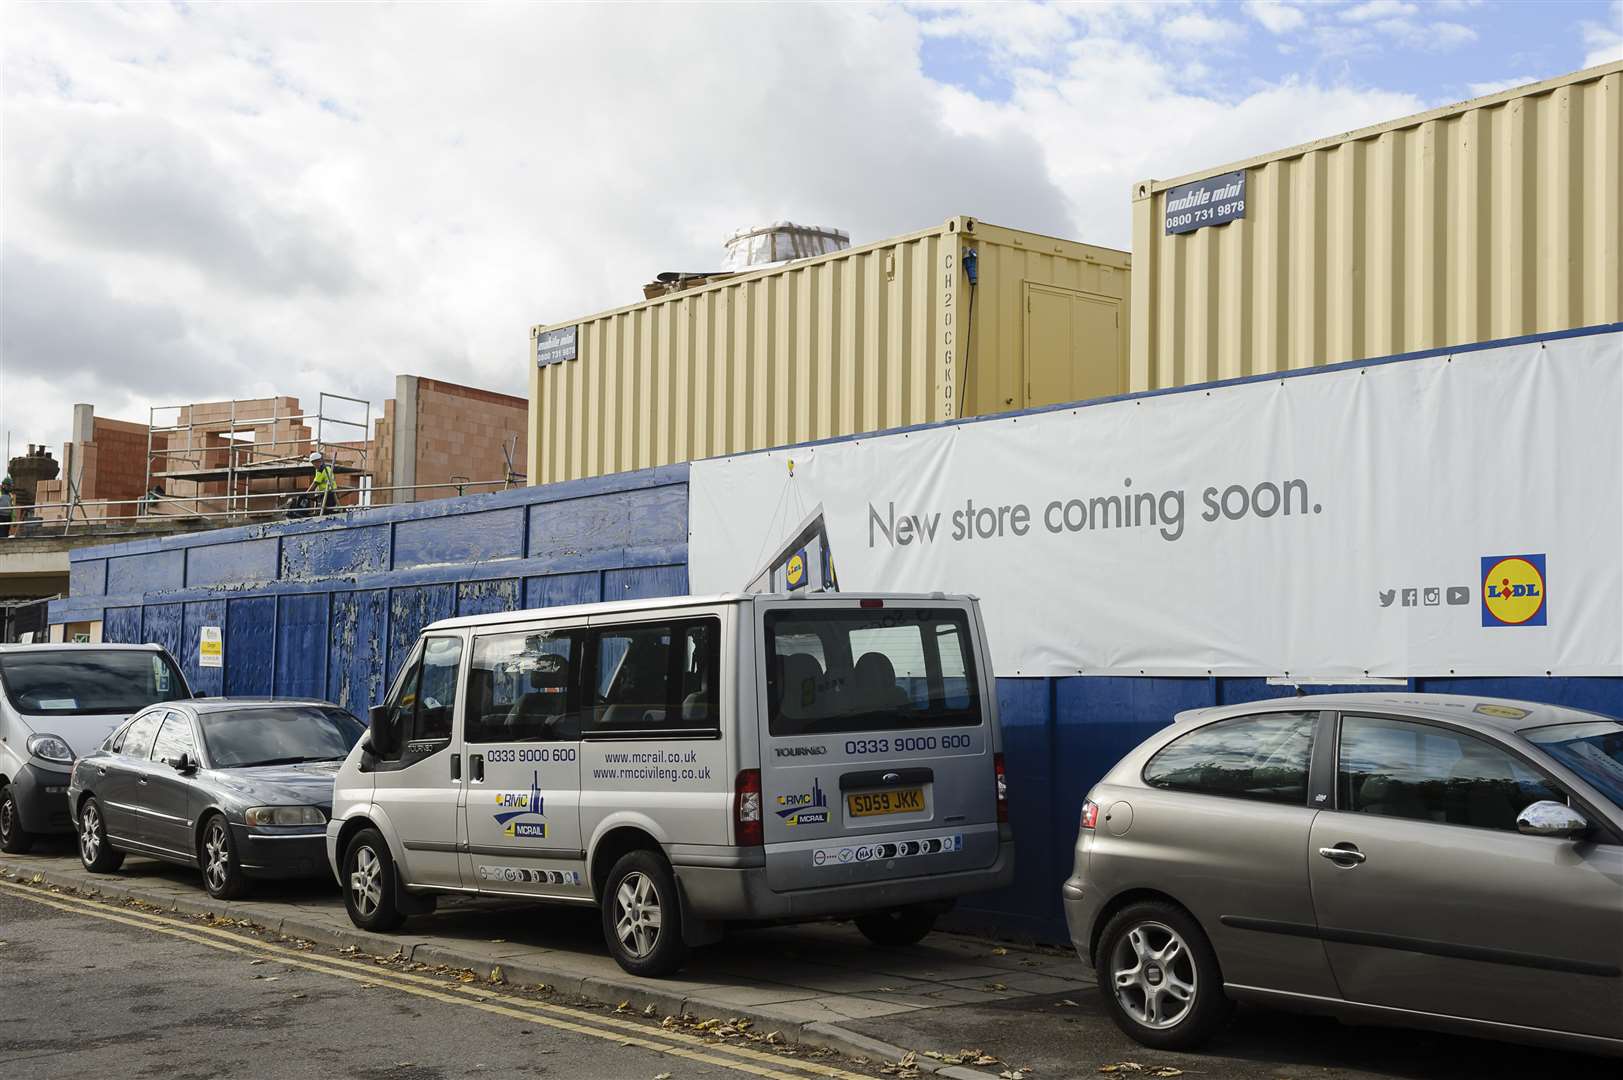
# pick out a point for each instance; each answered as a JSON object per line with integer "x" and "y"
{"x": 1262, "y": 757}
{"x": 524, "y": 687}
{"x": 656, "y": 678}
{"x": 436, "y": 699}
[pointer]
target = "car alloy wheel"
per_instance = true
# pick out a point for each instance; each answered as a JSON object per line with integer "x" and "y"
{"x": 90, "y": 833}
{"x": 1154, "y": 976}
{"x": 216, "y": 856}
{"x": 637, "y": 914}
{"x": 366, "y": 882}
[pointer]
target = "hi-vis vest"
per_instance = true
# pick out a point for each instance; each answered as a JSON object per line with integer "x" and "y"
{"x": 324, "y": 479}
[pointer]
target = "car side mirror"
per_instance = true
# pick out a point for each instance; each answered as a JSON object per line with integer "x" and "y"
{"x": 1549, "y": 818}
{"x": 183, "y": 764}
{"x": 380, "y": 729}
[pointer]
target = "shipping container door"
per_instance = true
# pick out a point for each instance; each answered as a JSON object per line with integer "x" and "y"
{"x": 1073, "y": 348}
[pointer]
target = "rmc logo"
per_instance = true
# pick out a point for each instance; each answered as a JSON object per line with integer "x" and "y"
{"x": 1513, "y": 591}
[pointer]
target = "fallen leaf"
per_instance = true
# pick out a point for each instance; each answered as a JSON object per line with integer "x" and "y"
{"x": 996, "y": 986}
{"x": 650, "y": 1010}
{"x": 623, "y": 1007}
{"x": 1000, "y": 951}
{"x": 1069, "y": 1004}
{"x": 497, "y": 975}
{"x": 662, "y": 1076}
{"x": 256, "y": 963}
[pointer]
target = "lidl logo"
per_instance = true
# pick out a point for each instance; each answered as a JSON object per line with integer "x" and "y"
{"x": 796, "y": 571}
{"x": 1514, "y": 591}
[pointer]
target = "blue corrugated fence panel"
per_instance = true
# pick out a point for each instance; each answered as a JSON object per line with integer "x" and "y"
{"x": 232, "y": 564}
{"x": 155, "y": 571}
{"x": 479, "y": 537}
{"x": 361, "y": 549}
{"x": 160, "y": 625}
{"x": 486, "y": 597}
{"x": 122, "y": 625}
{"x": 410, "y": 610}
{"x": 301, "y": 646}
{"x": 643, "y": 582}
{"x": 88, "y": 578}
{"x": 210, "y": 681}
{"x": 651, "y": 517}
{"x": 357, "y": 645}
{"x": 561, "y": 590}
{"x": 250, "y": 645}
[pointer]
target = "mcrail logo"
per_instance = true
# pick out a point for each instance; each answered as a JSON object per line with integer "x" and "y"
{"x": 810, "y": 808}
{"x": 518, "y": 805}
{"x": 1513, "y": 591}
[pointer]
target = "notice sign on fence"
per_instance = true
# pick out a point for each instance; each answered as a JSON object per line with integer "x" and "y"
{"x": 1212, "y": 201}
{"x": 210, "y": 647}
{"x": 555, "y": 346}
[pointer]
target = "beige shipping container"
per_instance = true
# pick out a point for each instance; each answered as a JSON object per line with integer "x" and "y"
{"x": 1494, "y": 218}
{"x": 858, "y": 340}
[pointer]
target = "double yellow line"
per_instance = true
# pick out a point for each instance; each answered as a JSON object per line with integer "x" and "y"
{"x": 484, "y": 997}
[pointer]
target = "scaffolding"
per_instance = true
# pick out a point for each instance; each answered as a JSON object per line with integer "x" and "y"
{"x": 229, "y": 453}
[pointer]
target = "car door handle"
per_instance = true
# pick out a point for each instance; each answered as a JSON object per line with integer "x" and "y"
{"x": 1340, "y": 854}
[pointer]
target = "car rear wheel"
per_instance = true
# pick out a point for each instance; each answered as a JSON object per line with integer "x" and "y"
{"x": 1159, "y": 977}
{"x": 898, "y": 926}
{"x": 14, "y": 840}
{"x": 217, "y": 856}
{"x": 642, "y": 918}
{"x": 370, "y": 883}
{"x": 95, "y": 850}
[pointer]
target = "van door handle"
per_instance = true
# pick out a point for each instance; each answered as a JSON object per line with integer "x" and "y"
{"x": 141, "y": 780}
{"x": 1343, "y": 854}
{"x": 476, "y": 767}
{"x": 456, "y": 766}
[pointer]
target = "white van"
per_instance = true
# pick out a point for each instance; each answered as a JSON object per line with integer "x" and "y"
{"x": 56, "y": 703}
{"x": 686, "y": 763}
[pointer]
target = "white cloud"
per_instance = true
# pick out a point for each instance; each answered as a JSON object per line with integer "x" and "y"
{"x": 1276, "y": 16}
{"x": 1196, "y": 28}
{"x": 1372, "y": 10}
{"x": 1604, "y": 43}
{"x": 1483, "y": 89}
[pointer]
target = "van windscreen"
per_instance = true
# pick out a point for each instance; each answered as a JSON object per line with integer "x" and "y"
{"x": 835, "y": 670}
{"x": 87, "y": 681}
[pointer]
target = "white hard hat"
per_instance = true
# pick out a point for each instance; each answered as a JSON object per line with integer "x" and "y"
{"x": 315, "y": 455}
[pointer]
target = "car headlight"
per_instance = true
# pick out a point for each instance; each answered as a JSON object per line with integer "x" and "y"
{"x": 50, "y": 748}
{"x": 285, "y": 815}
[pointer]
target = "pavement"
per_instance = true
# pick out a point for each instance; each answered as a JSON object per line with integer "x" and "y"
{"x": 960, "y": 1006}
{"x": 811, "y": 983}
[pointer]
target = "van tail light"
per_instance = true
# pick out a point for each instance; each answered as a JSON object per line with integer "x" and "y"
{"x": 1090, "y": 814}
{"x": 1002, "y": 788}
{"x": 747, "y": 808}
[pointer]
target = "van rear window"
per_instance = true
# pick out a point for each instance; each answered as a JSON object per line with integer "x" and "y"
{"x": 85, "y": 681}
{"x": 869, "y": 670}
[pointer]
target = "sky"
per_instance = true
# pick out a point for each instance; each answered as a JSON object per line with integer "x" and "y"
{"x": 201, "y": 201}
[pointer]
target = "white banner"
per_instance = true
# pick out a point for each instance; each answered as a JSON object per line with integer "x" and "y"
{"x": 1453, "y": 515}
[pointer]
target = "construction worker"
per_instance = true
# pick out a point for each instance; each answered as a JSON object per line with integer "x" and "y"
{"x": 324, "y": 486}
{"x": 7, "y": 502}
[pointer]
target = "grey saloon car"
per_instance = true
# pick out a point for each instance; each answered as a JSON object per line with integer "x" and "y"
{"x": 1424, "y": 860}
{"x": 237, "y": 787}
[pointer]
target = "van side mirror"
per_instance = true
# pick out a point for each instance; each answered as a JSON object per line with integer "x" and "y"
{"x": 1548, "y": 818}
{"x": 380, "y": 729}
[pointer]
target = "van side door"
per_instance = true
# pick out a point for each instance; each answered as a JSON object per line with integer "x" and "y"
{"x": 418, "y": 783}
{"x": 521, "y": 729}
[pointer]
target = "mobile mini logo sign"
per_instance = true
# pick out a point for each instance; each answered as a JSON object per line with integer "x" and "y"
{"x": 515, "y": 806}
{"x": 1514, "y": 591}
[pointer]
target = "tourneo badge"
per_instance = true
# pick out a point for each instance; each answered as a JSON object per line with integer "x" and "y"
{"x": 1514, "y": 591}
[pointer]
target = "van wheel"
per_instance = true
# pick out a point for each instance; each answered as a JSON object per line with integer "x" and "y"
{"x": 370, "y": 883}
{"x": 95, "y": 851}
{"x": 897, "y": 926}
{"x": 642, "y": 918}
{"x": 13, "y": 839}
{"x": 1159, "y": 977}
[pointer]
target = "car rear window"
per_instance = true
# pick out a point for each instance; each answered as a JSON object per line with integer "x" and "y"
{"x": 88, "y": 681}
{"x": 839, "y": 670}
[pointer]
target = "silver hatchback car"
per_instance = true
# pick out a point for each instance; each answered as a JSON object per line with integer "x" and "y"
{"x": 1425, "y": 860}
